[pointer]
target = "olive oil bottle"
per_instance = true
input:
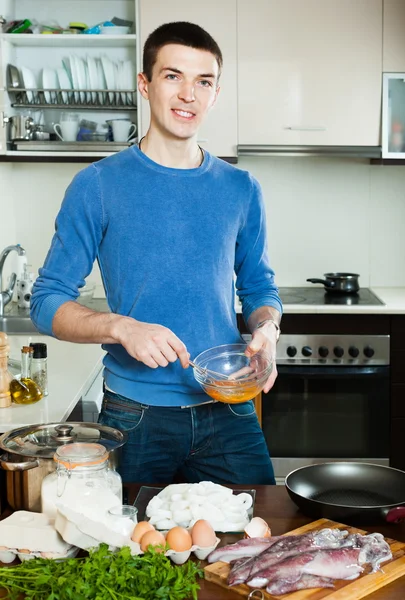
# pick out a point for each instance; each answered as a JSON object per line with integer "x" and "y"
{"x": 25, "y": 390}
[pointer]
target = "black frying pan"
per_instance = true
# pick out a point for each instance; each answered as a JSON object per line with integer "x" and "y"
{"x": 348, "y": 490}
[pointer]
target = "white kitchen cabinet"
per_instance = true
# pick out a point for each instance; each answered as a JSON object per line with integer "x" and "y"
{"x": 393, "y": 36}
{"x": 219, "y": 133}
{"x": 38, "y": 51}
{"x": 309, "y": 72}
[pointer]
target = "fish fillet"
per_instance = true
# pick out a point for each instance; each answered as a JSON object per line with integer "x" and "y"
{"x": 244, "y": 548}
{"x": 305, "y": 582}
{"x": 285, "y": 547}
{"x": 337, "y": 563}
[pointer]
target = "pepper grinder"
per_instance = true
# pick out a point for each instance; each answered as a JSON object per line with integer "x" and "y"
{"x": 5, "y": 377}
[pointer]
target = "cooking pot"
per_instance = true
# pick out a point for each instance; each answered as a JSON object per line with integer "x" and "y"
{"x": 344, "y": 491}
{"x": 344, "y": 283}
{"x": 29, "y": 453}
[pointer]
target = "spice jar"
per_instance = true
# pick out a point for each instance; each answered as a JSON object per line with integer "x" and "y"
{"x": 39, "y": 366}
{"x": 82, "y": 482}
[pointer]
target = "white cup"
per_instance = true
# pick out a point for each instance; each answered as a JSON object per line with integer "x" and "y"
{"x": 123, "y": 130}
{"x": 68, "y": 127}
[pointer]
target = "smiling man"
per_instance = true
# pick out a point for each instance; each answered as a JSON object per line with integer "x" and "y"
{"x": 170, "y": 225}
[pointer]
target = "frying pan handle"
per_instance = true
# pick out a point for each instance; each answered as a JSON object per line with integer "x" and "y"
{"x": 326, "y": 283}
{"x": 395, "y": 515}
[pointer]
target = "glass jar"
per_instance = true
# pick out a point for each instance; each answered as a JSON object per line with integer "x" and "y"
{"x": 82, "y": 482}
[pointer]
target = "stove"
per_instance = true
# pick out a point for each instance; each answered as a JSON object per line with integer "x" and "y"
{"x": 317, "y": 295}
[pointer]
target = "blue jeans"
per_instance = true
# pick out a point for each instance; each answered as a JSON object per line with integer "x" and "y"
{"x": 218, "y": 442}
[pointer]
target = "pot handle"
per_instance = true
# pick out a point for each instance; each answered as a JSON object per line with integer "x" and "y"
{"x": 395, "y": 515}
{"x": 328, "y": 284}
{"x": 8, "y": 465}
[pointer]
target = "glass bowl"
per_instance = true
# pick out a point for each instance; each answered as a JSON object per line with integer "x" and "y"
{"x": 244, "y": 377}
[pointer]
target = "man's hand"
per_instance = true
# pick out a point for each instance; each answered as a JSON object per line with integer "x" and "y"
{"x": 265, "y": 338}
{"x": 154, "y": 345}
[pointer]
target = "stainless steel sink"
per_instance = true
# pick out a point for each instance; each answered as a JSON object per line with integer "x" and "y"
{"x": 17, "y": 321}
{"x": 17, "y": 325}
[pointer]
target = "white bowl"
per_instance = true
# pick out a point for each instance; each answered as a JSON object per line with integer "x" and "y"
{"x": 114, "y": 30}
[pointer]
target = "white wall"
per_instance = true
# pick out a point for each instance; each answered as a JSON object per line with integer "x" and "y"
{"x": 323, "y": 215}
{"x": 330, "y": 214}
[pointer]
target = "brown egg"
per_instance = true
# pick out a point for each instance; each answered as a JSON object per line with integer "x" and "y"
{"x": 179, "y": 539}
{"x": 153, "y": 538}
{"x": 139, "y": 529}
{"x": 24, "y": 551}
{"x": 203, "y": 534}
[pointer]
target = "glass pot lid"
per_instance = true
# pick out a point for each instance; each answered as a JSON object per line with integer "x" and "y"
{"x": 43, "y": 440}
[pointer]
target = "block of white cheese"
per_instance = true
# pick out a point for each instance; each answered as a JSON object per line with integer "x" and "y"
{"x": 31, "y": 531}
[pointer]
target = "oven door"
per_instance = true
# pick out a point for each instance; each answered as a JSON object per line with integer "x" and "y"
{"x": 322, "y": 413}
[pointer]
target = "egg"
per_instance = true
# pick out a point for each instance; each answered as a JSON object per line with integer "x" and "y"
{"x": 179, "y": 539}
{"x": 153, "y": 538}
{"x": 203, "y": 534}
{"x": 139, "y": 529}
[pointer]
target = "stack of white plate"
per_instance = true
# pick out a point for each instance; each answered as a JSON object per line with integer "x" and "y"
{"x": 83, "y": 76}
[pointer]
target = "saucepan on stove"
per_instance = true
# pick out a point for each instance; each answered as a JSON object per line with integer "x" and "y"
{"x": 343, "y": 491}
{"x": 344, "y": 283}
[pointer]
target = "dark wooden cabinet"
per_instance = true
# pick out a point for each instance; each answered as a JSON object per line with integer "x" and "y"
{"x": 397, "y": 450}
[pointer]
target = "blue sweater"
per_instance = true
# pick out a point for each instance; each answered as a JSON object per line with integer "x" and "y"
{"x": 167, "y": 242}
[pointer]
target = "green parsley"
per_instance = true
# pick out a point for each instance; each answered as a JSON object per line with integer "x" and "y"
{"x": 102, "y": 575}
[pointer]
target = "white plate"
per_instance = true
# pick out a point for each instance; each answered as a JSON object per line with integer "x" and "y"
{"x": 49, "y": 82}
{"x": 109, "y": 75}
{"x": 93, "y": 76}
{"x": 129, "y": 79}
{"x": 81, "y": 75}
{"x": 64, "y": 83}
{"x": 75, "y": 78}
{"x": 29, "y": 82}
{"x": 102, "y": 84}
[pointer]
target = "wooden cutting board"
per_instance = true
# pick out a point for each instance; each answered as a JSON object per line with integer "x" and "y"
{"x": 365, "y": 584}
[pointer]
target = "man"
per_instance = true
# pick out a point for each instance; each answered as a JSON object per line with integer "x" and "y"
{"x": 169, "y": 225}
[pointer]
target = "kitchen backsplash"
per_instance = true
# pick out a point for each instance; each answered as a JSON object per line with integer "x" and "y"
{"x": 323, "y": 215}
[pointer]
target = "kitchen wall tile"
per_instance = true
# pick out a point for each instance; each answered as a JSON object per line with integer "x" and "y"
{"x": 38, "y": 196}
{"x": 317, "y": 215}
{"x": 323, "y": 214}
{"x": 387, "y": 226}
{"x": 7, "y": 216}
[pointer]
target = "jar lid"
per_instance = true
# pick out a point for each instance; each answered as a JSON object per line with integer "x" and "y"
{"x": 80, "y": 455}
{"x": 42, "y": 440}
{"x": 40, "y": 350}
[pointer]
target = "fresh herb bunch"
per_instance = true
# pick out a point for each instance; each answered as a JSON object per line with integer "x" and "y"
{"x": 103, "y": 575}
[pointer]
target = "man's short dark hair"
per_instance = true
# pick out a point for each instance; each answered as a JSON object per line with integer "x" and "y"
{"x": 178, "y": 32}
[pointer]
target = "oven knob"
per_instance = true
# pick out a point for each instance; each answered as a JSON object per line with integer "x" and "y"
{"x": 323, "y": 351}
{"x": 353, "y": 351}
{"x": 338, "y": 351}
{"x": 306, "y": 351}
{"x": 291, "y": 351}
{"x": 368, "y": 352}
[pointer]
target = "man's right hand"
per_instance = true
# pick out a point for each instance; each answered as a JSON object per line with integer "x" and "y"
{"x": 152, "y": 344}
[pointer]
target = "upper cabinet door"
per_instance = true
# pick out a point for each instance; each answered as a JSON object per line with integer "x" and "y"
{"x": 219, "y": 133}
{"x": 309, "y": 73}
{"x": 393, "y": 36}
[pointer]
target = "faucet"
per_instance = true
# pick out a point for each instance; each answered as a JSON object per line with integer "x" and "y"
{"x": 5, "y": 297}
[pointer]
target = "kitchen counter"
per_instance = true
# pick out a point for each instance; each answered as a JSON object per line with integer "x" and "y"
{"x": 393, "y": 298}
{"x": 274, "y": 505}
{"x": 72, "y": 368}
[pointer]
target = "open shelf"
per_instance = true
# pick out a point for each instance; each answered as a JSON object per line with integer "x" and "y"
{"x": 69, "y": 40}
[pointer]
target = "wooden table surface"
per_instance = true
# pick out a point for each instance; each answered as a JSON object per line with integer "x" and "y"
{"x": 274, "y": 505}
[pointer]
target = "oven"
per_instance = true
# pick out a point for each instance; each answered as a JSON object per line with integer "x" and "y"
{"x": 331, "y": 401}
